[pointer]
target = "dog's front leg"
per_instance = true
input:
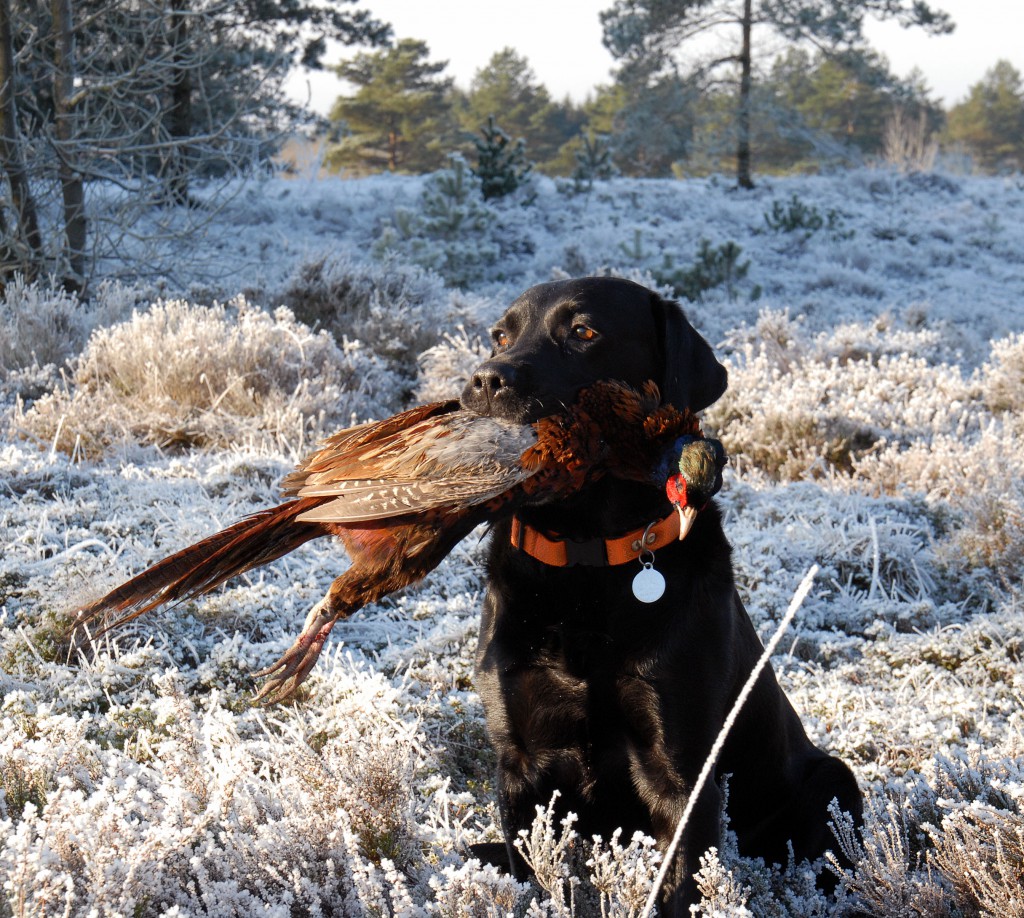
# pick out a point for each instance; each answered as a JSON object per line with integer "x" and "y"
{"x": 667, "y": 797}
{"x": 668, "y": 747}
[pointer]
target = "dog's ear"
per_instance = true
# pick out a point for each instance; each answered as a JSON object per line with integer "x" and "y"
{"x": 692, "y": 377}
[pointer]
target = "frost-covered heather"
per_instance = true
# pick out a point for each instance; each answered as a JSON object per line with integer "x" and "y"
{"x": 180, "y": 375}
{"x": 875, "y": 424}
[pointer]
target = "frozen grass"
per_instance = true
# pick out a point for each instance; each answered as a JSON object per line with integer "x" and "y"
{"x": 399, "y": 309}
{"x": 874, "y": 420}
{"x": 180, "y": 375}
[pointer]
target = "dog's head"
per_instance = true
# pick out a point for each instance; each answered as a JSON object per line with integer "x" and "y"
{"x": 559, "y": 337}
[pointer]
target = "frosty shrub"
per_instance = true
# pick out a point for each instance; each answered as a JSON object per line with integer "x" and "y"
{"x": 42, "y": 326}
{"x": 396, "y": 309}
{"x": 890, "y": 877}
{"x": 722, "y": 893}
{"x": 732, "y": 886}
{"x": 981, "y": 851}
{"x": 241, "y": 823}
{"x": 181, "y": 375}
{"x": 736, "y": 887}
{"x": 553, "y": 857}
{"x": 1003, "y": 375}
{"x": 39, "y": 326}
{"x": 476, "y": 891}
{"x": 973, "y": 483}
{"x": 582, "y": 878}
{"x": 377, "y": 795}
{"x": 623, "y": 876}
{"x": 446, "y": 367}
{"x": 947, "y": 842}
{"x": 799, "y": 406}
{"x": 880, "y": 405}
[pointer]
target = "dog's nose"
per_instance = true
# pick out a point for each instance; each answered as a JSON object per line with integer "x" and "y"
{"x": 489, "y": 380}
{"x": 492, "y": 389}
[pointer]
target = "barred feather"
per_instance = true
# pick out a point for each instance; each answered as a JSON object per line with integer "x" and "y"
{"x": 247, "y": 544}
{"x": 447, "y": 460}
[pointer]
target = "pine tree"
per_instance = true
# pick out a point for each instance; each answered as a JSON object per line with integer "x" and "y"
{"x": 400, "y": 118}
{"x": 501, "y": 164}
{"x": 593, "y": 162}
{"x": 654, "y": 128}
{"x": 839, "y": 105}
{"x": 990, "y": 121}
{"x": 508, "y": 89}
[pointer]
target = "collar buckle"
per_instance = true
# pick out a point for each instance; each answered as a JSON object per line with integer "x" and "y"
{"x": 646, "y": 540}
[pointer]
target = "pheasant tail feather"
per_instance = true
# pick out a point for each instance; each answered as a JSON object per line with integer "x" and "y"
{"x": 251, "y": 542}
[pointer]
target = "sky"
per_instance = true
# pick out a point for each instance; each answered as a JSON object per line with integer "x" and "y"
{"x": 562, "y": 42}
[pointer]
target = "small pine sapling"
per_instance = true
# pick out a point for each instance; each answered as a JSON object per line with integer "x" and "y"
{"x": 502, "y": 166}
{"x": 450, "y": 231}
{"x": 450, "y": 204}
{"x": 794, "y": 217}
{"x": 804, "y": 220}
{"x": 593, "y": 161}
{"x": 634, "y": 251}
{"x": 716, "y": 266}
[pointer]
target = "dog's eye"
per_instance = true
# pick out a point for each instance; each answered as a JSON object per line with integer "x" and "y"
{"x": 584, "y": 332}
{"x": 500, "y": 339}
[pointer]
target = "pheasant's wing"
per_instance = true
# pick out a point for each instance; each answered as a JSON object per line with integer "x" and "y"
{"x": 447, "y": 459}
{"x": 354, "y": 441}
{"x": 379, "y": 499}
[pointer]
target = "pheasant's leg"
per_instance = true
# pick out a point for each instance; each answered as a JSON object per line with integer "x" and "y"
{"x": 287, "y": 674}
{"x": 384, "y": 559}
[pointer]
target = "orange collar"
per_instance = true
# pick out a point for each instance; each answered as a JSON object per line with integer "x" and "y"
{"x": 558, "y": 552}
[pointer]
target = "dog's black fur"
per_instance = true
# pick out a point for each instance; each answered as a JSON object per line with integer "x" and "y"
{"x": 588, "y": 691}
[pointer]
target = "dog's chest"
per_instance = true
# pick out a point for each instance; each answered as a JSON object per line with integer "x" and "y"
{"x": 579, "y": 651}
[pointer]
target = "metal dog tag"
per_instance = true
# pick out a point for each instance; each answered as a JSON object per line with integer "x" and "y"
{"x": 648, "y": 585}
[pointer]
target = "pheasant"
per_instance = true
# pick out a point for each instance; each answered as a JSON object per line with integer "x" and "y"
{"x": 401, "y": 493}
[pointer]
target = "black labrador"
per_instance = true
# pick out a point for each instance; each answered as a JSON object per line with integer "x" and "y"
{"x": 613, "y": 702}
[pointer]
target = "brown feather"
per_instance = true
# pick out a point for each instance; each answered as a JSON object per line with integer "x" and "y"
{"x": 360, "y": 441}
{"x": 249, "y": 543}
{"x": 449, "y": 460}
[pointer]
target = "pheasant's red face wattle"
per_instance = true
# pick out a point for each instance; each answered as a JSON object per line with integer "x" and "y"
{"x": 675, "y": 488}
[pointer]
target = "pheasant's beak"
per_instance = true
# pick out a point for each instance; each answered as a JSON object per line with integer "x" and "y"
{"x": 686, "y": 517}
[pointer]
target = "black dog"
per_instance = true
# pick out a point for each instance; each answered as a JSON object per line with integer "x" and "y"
{"x": 613, "y": 702}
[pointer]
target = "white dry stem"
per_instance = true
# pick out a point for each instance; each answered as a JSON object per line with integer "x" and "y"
{"x": 716, "y": 748}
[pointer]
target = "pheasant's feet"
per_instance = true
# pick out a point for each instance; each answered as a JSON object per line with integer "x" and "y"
{"x": 288, "y": 673}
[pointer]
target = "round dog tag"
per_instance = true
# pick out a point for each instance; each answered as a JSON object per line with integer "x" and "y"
{"x": 648, "y": 585}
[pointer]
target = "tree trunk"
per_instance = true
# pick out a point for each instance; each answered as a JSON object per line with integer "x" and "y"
{"x": 71, "y": 184}
{"x": 179, "y": 116}
{"x": 7, "y": 258}
{"x": 30, "y": 259}
{"x": 743, "y": 178}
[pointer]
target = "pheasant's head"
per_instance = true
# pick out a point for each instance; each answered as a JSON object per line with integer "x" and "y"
{"x": 695, "y": 476}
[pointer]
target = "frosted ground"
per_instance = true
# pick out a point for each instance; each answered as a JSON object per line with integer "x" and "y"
{"x": 874, "y": 418}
